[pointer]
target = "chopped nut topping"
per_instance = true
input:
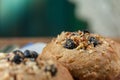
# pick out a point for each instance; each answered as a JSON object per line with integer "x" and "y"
{"x": 79, "y": 40}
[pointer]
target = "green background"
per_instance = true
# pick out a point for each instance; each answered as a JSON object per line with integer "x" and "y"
{"x": 33, "y": 18}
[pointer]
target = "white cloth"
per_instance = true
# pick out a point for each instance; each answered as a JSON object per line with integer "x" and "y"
{"x": 38, "y": 47}
{"x": 102, "y": 15}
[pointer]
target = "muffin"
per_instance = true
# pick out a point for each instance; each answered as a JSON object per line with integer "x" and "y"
{"x": 87, "y": 56}
{"x": 23, "y": 66}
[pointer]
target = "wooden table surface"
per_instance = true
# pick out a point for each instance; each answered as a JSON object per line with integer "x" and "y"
{"x": 23, "y": 41}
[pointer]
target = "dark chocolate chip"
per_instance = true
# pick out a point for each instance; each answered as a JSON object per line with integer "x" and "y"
{"x": 94, "y": 41}
{"x": 30, "y": 54}
{"x": 52, "y": 69}
{"x": 69, "y": 44}
{"x": 17, "y": 59}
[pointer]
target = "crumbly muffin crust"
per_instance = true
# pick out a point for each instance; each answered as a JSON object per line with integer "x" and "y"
{"x": 87, "y": 56}
{"x": 16, "y": 66}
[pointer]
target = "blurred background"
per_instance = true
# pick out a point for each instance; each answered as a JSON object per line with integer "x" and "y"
{"x": 24, "y": 24}
{"x": 33, "y": 18}
{"x": 42, "y": 18}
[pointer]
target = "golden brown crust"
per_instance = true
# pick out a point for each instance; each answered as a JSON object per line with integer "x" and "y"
{"x": 89, "y": 62}
{"x": 33, "y": 70}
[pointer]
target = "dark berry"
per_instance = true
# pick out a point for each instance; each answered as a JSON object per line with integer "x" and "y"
{"x": 94, "y": 41}
{"x": 35, "y": 54}
{"x": 30, "y": 54}
{"x": 27, "y": 54}
{"x": 52, "y": 69}
{"x": 69, "y": 44}
{"x": 85, "y": 31}
{"x": 17, "y": 59}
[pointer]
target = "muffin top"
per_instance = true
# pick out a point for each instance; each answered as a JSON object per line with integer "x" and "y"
{"x": 23, "y": 66}
{"x": 87, "y": 56}
{"x": 80, "y": 40}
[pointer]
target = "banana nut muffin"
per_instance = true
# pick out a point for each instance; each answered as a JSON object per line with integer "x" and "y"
{"x": 23, "y": 66}
{"x": 87, "y": 56}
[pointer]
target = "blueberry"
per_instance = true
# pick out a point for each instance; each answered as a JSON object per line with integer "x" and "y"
{"x": 30, "y": 54}
{"x": 17, "y": 59}
{"x": 52, "y": 69}
{"x": 69, "y": 44}
{"x": 35, "y": 54}
{"x": 94, "y": 41}
{"x": 85, "y": 31}
{"x": 27, "y": 54}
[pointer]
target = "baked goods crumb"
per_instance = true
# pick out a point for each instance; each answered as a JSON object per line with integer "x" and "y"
{"x": 87, "y": 56}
